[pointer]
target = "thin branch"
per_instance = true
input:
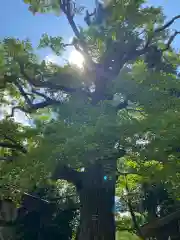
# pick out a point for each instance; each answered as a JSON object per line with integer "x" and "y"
{"x": 17, "y": 108}
{"x": 166, "y": 25}
{"x": 68, "y": 45}
{"x": 160, "y": 29}
{"x": 171, "y": 39}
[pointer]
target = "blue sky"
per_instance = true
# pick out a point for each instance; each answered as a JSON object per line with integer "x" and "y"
{"x": 20, "y": 23}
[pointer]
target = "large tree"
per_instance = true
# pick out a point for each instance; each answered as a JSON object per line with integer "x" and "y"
{"x": 123, "y": 104}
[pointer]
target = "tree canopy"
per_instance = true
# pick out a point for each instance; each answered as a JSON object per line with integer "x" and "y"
{"x": 112, "y": 123}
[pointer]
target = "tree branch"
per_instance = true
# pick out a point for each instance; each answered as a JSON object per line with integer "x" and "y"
{"x": 160, "y": 29}
{"x": 15, "y": 143}
{"x": 13, "y": 146}
{"x": 166, "y": 25}
{"x": 171, "y": 39}
{"x": 133, "y": 216}
{"x": 66, "y": 8}
{"x": 17, "y": 108}
{"x": 48, "y": 101}
{"x": 126, "y": 173}
{"x": 23, "y": 93}
{"x": 41, "y": 95}
{"x": 124, "y": 228}
{"x": 46, "y": 84}
{"x": 30, "y": 105}
{"x": 67, "y": 173}
{"x": 33, "y": 107}
{"x": 68, "y": 44}
{"x": 44, "y": 104}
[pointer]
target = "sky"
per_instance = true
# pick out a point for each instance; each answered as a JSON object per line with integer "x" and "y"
{"x": 18, "y": 22}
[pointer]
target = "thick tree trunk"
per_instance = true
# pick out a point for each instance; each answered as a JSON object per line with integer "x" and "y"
{"x": 97, "y": 205}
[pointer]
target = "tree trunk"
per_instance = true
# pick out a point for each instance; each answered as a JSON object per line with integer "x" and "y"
{"x": 97, "y": 205}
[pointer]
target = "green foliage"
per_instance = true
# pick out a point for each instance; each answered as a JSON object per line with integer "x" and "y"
{"x": 79, "y": 133}
{"x": 124, "y": 235}
{"x": 43, "y": 6}
{"x": 55, "y": 43}
{"x": 51, "y": 6}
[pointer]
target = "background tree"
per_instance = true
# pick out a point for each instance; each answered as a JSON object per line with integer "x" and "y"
{"x": 49, "y": 215}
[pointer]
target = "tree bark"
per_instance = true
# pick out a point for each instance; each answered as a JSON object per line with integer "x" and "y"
{"x": 97, "y": 205}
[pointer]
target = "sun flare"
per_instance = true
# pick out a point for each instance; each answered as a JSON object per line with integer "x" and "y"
{"x": 76, "y": 58}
